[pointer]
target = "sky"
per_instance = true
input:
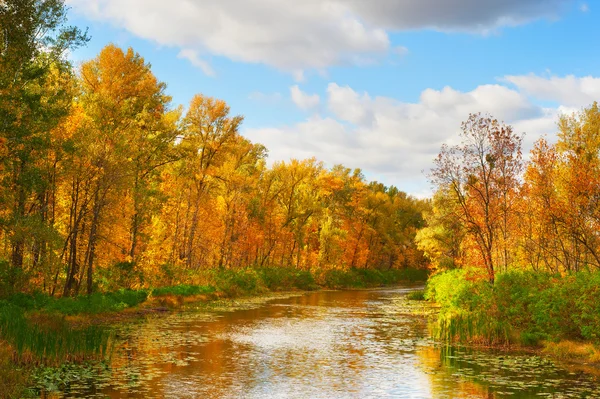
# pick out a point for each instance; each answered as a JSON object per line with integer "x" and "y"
{"x": 378, "y": 85}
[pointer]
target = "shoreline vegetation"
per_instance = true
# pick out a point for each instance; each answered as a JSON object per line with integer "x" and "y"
{"x": 37, "y": 330}
{"x": 554, "y": 315}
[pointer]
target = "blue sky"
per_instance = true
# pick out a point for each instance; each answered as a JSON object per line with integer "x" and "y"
{"x": 376, "y": 85}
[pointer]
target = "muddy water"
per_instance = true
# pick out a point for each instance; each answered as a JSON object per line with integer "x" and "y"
{"x": 337, "y": 344}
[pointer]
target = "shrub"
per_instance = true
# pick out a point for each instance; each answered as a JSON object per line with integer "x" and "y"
{"x": 531, "y": 306}
{"x": 238, "y": 282}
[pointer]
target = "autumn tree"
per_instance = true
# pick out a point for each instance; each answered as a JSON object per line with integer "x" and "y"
{"x": 562, "y": 196}
{"x": 125, "y": 135}
{"x": 33, "y": 99}
{"x": 442, "y": 237}
{"x": 208, "y": 135}
{"x": 483, "y": 174}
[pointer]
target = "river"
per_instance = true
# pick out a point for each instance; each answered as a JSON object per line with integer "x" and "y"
{"x": 325, "y": 344}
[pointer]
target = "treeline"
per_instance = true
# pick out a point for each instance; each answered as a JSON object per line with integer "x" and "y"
{"x": 105, "y": 184}
{"x": 493, "y": 212}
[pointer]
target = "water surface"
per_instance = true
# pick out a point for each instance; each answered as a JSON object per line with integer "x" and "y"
{"x": 327, "y": 344}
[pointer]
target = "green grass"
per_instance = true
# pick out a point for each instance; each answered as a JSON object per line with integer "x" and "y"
{"x": 285, "y": 279}
{"x": 92, "y": 304}
{"x": 255, "y": 281}
{"x": 183, "y": 290}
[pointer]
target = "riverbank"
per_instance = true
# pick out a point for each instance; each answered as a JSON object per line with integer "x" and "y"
{"x": 37, "y": 329}
{"x": 556, "y": 316}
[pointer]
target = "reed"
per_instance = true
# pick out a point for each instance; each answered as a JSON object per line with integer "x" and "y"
{"x": 51, "y": 340}
{"x": 471, "y": 327}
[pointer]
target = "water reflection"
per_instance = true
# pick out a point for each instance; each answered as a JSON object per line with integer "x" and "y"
{"x": 348, "y": 344}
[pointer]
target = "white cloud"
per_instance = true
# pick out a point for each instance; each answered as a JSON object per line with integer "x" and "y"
{"x": 299, "y": 35}
{"x": 269, "y": 98}
{"x": 569, "y": 90}
{"x": 584, "y": 7}
{"x": 304, "y": 100}
{"x": 196, "y": 61}
{"x": 394, "y": 141}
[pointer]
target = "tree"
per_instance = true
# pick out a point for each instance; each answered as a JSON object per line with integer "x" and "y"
{"x": 208, "y": 135}
{"x": 562, "y": 196}
{"x": 126, "y": 135}
{"x": 33, "y": 40}
{"x": 441, "y": 239}
{"x": 483, "y": 174}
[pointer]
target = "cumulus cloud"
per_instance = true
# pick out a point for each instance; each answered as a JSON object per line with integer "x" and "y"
{"x": 298, "y": 35}
{"x": 304, "y": 100}
{"x": 394, "y": 141}
{"x": 569, "y": 90}
{"x": 478, "y": 16}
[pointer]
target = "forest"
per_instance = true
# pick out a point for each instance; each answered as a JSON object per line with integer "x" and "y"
{"x": 106, "y": 184}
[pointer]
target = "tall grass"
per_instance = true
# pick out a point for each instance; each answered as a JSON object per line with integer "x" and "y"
{"x": 51, "y": 340}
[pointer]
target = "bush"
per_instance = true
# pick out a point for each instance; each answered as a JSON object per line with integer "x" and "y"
{"x": 11, "y": 279}
{"x": 286, "y": 278}
{"x": 238, "y": 282}
{"x": 531, "y": 306}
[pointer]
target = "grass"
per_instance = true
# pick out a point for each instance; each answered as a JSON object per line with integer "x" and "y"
{"x": 365, "y": 278}
{"x": 183, "y": 290}
{"x": 286, "y": 279}
{"x": 14, "y": 378}
{"x": 573, "y": 351}
{"x": 48, "y": 338}
{"x": 92, "y": 304}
